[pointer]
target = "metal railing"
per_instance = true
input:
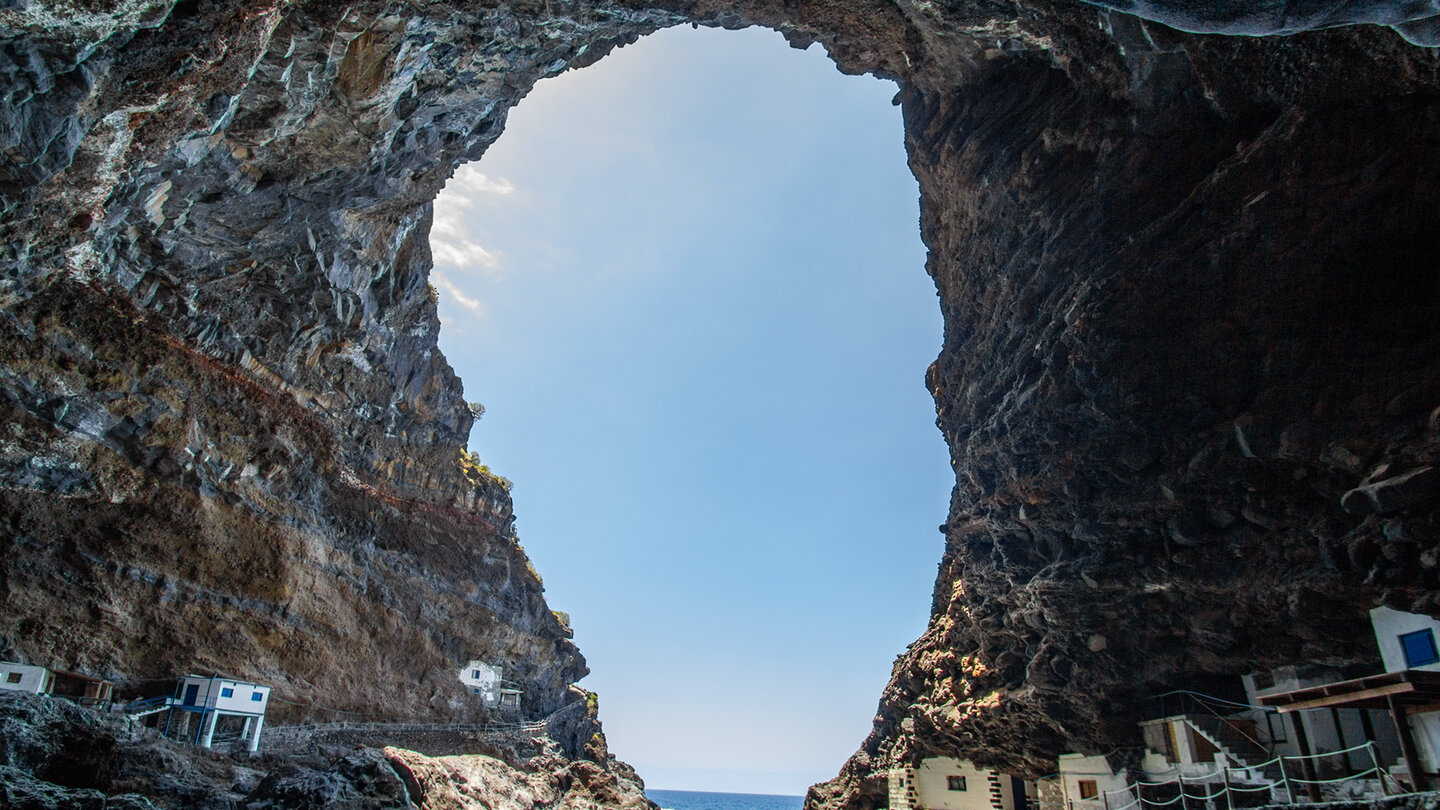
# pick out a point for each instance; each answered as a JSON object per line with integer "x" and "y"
{"x": 1222, "y": 784}
{"x": 144, "y": 704}
{"x": 531, "y": 727}
{"x": 1217, "y": 713}
{"x": 401, "y": 728}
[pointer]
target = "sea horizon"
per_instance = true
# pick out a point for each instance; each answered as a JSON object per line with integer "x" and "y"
{"x": 716, "y": 800}
{"x": 726, "y": 792}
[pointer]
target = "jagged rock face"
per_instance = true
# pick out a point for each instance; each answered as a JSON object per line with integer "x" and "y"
{"x": 1188, "y": 377}
{"x": 1178, "y": 330}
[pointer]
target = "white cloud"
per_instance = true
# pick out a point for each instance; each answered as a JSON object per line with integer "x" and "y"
{"x": 450, "y": 241}
{"x": 443, "y": 283}
{"x": 469, "y": 181}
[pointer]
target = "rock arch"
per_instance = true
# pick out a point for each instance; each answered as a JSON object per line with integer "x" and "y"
{"x": 1187, "y": 281}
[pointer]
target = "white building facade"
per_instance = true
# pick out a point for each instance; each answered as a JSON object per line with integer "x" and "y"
{"x": 25, "y": 678}
{"x": 942, "y": 783}
{"x": 204, "y": 702}
{"x": 483, "y": 681}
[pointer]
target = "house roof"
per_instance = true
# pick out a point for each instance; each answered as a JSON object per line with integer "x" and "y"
{"x": 79, "y": 676}
{"x": 1414, "y": 689}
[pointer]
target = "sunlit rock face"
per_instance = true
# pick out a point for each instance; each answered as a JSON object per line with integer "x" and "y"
{"x": 1188, "y": 378}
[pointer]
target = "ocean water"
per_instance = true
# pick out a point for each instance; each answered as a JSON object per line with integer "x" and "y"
{"x": 695, "y": 800}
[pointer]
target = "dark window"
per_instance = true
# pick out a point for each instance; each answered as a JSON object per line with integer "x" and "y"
{"x": 13, "y": 677}
{"x": 255, "y": 696}
{"x": 1088, "y": 789}
{"x": 227, "y": 692}
{"x": 475, "y": 673}
{"x": 1419, "y": 648}
{"x": 955, "y": 782}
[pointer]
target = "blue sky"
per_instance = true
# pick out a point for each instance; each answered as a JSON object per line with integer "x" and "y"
{"x": 687, "y": 284}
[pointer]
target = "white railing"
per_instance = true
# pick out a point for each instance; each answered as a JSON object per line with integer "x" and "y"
{"x": 1132, "y": 796}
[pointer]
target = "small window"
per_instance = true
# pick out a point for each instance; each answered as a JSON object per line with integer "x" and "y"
{"x": 1419, "y": 648}
{"x": 955, "y": 782}
{"x": 255, "y": 696}
{"x": 475, "y": 673}
{"x": 227, "y": 692}
{"x": 12, "y": 677}
{"x": 1088, "y": 789}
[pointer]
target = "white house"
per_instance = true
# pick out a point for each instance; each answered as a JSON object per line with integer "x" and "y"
{"x": 1406, "y": 640}
{"x": 83, "y": 689}
{"x": 942, "y": 783}
{"x": 1092, "y": 781}
{"x": 204, "y": 703}
{"x": 25, "y": 678}
{"x": 483, "y": 681}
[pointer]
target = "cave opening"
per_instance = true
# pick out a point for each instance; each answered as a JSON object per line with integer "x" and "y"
{"x": 687, "y": 286}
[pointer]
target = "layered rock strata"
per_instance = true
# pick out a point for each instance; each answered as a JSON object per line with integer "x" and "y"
{"x": 1188, "y": 377}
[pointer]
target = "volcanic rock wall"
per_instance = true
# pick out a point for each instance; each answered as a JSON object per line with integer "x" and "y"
{"x": 1188, "y": 377}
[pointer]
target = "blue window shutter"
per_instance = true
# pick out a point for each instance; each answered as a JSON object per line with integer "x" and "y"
{"x": 1419, "y": 648}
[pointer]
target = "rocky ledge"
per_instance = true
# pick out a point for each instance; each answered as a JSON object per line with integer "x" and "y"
{"x": 55, "y": 755}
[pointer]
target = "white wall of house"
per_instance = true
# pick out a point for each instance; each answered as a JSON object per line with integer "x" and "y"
{"x": 932, "y": 788}
{"x": 1077, "y": 768}
{"x": 1390, "y": 625}
{"x": 1425, "y": 727}
{"x": 241, "y": 698}
{"x": 24, "y": 678}
{"x": 220, "y": 696}
{"x": 483, "y": 681}
{"x": 230, "y": 697}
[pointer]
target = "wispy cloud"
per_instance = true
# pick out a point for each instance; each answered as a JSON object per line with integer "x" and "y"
{"x": 443, "y": 282}
{"x": 452, "y": 246}
{"x": 450, "y": 241}
{"x": 469, "y": 181}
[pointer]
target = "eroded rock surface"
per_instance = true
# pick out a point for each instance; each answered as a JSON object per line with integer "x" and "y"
{"x": 57, "y": 756}
{"x": 1188, "y": 377}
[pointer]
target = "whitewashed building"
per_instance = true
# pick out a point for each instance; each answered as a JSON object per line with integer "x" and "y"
{"x": 1088, "y": 781}
{"x": 201, "y": 705}
{"x": 483, "y": 681}
{"x": 25, "y": 678}
{"x": 942, "y": 783}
